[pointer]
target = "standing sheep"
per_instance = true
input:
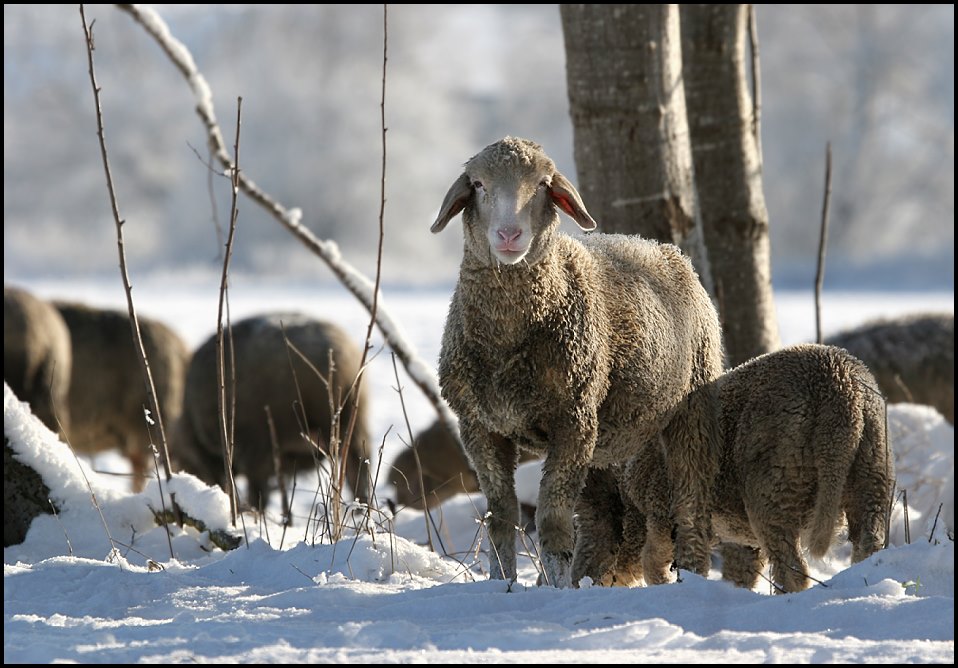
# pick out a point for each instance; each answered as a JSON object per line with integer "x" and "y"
{"x": 912, "y": 357}
{"x": 107, "y": 389}
{"x": 577, "y": 349}
{"x": 802, "y": 433}
{"x": 298, "y": 398}
{"x": 36, "y": 355}
{"x": 445, "y": 469}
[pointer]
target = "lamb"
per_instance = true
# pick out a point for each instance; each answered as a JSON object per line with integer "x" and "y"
{"x": 580, "y": 350}
{"x": 270, "y": 374}
{"x": 36, "y": 355}
{"x": 108, "y": 394}
{"x": 445, "y": 469}
{"x": 803, "y": 442}
{"x": 912, "y": 357}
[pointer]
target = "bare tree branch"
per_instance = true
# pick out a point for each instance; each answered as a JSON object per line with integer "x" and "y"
{"x": 422, "y": 374}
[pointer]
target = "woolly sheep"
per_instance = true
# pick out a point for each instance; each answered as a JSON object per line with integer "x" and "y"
{"x": 445, "y": 469}
{"x": 803, "y": 442}
{"x": 912, "y": 357}
{"x": 268, "y": 373}
{"x": 36, "y": 355}
{"x": 107, "y": 389}
{"x": 576, "y": 349}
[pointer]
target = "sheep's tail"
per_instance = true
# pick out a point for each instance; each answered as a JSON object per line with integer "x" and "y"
{"x": 837, "y": 437}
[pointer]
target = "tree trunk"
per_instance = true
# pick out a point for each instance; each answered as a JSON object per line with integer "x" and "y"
{"x": 728, "y": 176}
{"x": 632, "y": 149}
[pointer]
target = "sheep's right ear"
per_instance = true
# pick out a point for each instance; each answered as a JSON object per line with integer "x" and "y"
{"x": 455, "y": 201}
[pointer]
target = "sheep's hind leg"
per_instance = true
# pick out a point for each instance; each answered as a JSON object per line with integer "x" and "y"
{"x": 599, "y": 516}
{"x": 789, "y": 569}
{"x": 741, "y": 565}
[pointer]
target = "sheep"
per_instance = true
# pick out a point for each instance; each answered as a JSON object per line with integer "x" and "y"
{"x": 445, "y": 469}
{"x": 108, "y": 393}
{"x": 912, "y": 357}
{"x": 578, "y": 349}
{"x": 802, "y": 443}
{"x": 36, "y": 355}
{"x": 268, "y": 373}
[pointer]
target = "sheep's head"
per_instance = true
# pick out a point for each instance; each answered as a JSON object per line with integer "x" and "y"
{"x": 508, "y": 196}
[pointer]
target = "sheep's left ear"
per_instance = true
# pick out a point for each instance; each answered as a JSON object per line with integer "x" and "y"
{"x": 565, "y": 196}
{"x": 454, "y": 202}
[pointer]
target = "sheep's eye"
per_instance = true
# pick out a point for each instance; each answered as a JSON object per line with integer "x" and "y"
{"x": 544, "y": 183}
{"x": 477, "y": 184}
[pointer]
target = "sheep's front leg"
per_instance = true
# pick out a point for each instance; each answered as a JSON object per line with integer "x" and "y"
{"x": 494, "y": 458}
{"x": 563, "y": 475}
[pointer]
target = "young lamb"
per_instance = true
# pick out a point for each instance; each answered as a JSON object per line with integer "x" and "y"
{"x": 445, "y": 469}
{"x": 268, "y": 373}
{"x": 107, "y": 391}
{"x": 912, "y": 357}
{"x": 36, "y": 355}
{"x": 802, "y": 433}
{"x": 578, "y": 349}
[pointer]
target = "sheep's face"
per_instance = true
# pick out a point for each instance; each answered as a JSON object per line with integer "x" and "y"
{"x": 509, "y": 212}
{"x": 508, "y": 195}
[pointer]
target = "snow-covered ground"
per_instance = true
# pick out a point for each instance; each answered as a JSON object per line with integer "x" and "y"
{"x": 382, "y": 596}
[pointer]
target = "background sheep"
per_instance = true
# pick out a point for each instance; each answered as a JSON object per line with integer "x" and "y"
{"x": 803, "y": 442}
{"x": 912, "y": 357}
{"x": 36, "y": 355}
{"x": 265, "y": 377}
{"x": 107, "y": 389}
{"x": 577, "y": 349}
{"x": 445, "y": 469}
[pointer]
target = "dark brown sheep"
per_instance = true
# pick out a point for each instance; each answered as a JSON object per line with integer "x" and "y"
{"x": 912, "y": 357}
{"x": 445, "y": 469}
{"x": 298, "y": 404}
{"x": 36, "y": 355}
{"x": 107, "y": 388}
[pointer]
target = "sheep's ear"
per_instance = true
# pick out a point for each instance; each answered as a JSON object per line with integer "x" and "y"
{"x": 455, "y": 201}
{"x": 567, "y": 198}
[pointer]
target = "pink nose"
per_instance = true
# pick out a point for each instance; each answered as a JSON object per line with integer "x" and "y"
{"x": 508, "y": 234}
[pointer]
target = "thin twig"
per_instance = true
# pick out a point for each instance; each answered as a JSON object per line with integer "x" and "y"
{"x": 89, "y": 485}
{"x": 223, "y": 420}
{"x": 278, "y": 467}
{"x": 290, "y": 218}
{"x": 56, "y": 516}
{"x": 124, "y": 274}
{"x": 935, "y": 523}
{"x": 412, "y": 442}
{"x": 822, "y": 241}
{"x": 347, "y": 442}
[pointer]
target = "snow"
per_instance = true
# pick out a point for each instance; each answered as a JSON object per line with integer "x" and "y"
{"x": 380, "y": 595}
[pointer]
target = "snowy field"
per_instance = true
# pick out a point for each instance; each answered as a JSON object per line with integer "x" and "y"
{"x": 383, "y": 597}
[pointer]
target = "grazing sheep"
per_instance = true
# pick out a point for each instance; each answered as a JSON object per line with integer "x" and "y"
{"x": 802, "y": 433}
{"x": 912, "y": 357}
{"x": 268, "y": 373}
{"x": 36, "y": 355}
{"x": 577, "y": 349}
{"x": 107, "y": 389}
{"x": 445, "y": 469}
